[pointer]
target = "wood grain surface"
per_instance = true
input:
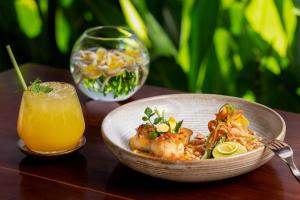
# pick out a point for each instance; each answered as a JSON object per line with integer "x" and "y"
{"x": 94, "y": 173}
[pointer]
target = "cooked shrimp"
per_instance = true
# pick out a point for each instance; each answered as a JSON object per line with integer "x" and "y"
{"x": 141, "y": 140}
{"x": 171, "y": 145}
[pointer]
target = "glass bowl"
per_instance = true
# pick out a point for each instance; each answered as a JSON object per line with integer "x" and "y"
{"x": 109, "y": 63}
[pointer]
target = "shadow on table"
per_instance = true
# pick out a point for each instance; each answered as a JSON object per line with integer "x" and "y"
{"x": 40, "y": 177}
{"x": 127, "y": 182}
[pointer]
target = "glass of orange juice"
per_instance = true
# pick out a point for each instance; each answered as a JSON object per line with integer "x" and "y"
{"x": 50, "y": 118}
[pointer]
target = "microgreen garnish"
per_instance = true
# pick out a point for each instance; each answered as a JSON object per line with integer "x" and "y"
{"x": 157, "y": 120}
{"x": 153, "y": 135}
{"x": 178, "y": 125}
{"x": 37, "y": 87}
{"x": 149, "y": 113}
{"x": 160, "y": 123}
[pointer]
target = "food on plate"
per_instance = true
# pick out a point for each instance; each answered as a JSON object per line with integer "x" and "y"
{"x": 166, "y": 139}
{"x": 227, "y": 149}
{"x": 161, "y": 137}
{"x": 229, "y": 134}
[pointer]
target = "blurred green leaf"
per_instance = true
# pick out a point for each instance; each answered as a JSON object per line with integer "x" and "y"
{"x": 236, "y": 14}
{"x": 222, "y": 41}
{"x": 227, "y": 3}
{"x": 66, "y": 3}
{"x": 297, "y": 11}
{"x": 165, "y": 71}
{"x": 265, "y": 20}
{"x": 238, "y": 63}
{"x": 162, "y": 45}
{"x": 135, "y": 21}
{"x": 88, "y": 16}
{"x": 105, "y": 11}
{"x": 213, "y": 82}
{"x": 202, "y": 73}
{"x": 271, "y": 64}
{"x": 296, "y": 53}
{"x": 298, "y": 91}
{"x": 62, "y": 31}
{"x": 183, "y": 53}
{"x": 288, "y": 17}
{"x": 254, "y": 42}
{"x": 249, "y": 95}
{"x": 43, "y": 4}
{"x": 28, "y": 17}
{"x": 205, "y": 15}
{"x": 171, "y": 19}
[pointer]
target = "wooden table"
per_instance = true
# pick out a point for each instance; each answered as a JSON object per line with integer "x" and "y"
{"x": 94, "y": 173}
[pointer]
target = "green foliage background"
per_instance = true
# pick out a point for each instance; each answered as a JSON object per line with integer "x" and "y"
{"x": 248, "y": 48}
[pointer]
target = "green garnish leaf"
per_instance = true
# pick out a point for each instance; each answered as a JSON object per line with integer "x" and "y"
{"x": 151, "y": 115}
{"x": 157, "y": 112}
{"x": 36, "y": 87}
{"x": 178, "y": 125}
{"x": 46, "y": 89}
{"x": 157, "y": 120}
{"x": 207, "y": 154}
{"x": 148, "y": 111}
{"x": 153, "y": 135}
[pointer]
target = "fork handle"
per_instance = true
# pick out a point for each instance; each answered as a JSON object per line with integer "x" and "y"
{"x": 295, "y": 171}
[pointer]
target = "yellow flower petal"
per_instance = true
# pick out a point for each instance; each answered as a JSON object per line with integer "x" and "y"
{"x": 172, "y": 122}
{"x": 101, "y": 55}
{"x": 132, "y": 52}
{"x": 91, "y": 72}
{"x": 115, "y": 62}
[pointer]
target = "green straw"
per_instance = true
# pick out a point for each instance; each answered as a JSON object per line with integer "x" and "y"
{"x": 14, "y": 62}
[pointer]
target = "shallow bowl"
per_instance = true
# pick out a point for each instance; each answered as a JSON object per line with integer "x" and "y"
{"x": 196, "y": 110}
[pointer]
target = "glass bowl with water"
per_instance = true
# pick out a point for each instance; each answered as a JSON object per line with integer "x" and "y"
{"x": 109, "y": 63}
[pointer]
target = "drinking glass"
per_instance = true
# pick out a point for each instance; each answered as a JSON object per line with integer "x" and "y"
{"x": 51, "y": 122}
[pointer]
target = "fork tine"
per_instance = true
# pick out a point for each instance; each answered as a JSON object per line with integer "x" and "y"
{"x": 272, "y": 148}
{"x": 278, "y": 143}
{"x": 284, "y": 144}
{"x": 274, "y": 145}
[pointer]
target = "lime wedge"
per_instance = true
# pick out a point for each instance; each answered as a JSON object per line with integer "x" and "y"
{"x": 225, "y": 147}
{"x": 228, "y": 147}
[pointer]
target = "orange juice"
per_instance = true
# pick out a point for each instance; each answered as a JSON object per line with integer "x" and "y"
{"x": 51, "y": 122}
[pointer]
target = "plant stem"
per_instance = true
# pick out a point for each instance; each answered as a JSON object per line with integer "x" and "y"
{"x": 14, "y": 62}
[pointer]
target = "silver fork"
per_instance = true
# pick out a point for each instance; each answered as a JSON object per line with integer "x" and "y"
{"x": 285, "y": 152}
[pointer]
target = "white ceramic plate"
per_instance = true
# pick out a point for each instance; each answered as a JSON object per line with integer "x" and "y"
{"x": 196, "y": 110}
